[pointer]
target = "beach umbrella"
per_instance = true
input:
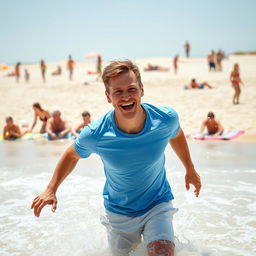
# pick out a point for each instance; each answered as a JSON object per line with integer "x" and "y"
{"x": 3, "y": 67}
{"x": 93, "y": 55}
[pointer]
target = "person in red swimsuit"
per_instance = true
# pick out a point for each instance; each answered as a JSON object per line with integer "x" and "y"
{"x": 235, "y": 81}
{"x": 43, "y": 115}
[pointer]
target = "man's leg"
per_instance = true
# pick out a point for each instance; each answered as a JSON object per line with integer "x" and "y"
{"x": 161, "y": 247}
{"x": 158, "y": 231}
{"x": 124, "y": 233}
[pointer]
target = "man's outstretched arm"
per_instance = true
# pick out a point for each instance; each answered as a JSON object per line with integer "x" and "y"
{"x": 65, "y": 165}
{"x": 180, "y": 146}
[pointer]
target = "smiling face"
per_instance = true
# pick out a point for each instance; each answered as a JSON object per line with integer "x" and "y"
{"x": 125, "y": 92}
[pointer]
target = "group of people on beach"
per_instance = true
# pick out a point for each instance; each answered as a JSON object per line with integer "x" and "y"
{"x": 53, "y": 124}
{"x": 215, "y": 60}
{"x": 43, "y": 68}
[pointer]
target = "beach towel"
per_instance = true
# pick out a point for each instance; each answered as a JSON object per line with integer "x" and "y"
{"x": 226, "y": 135}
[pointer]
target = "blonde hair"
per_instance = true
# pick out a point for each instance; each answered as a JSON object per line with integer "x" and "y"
{"x": 116, "y": 68}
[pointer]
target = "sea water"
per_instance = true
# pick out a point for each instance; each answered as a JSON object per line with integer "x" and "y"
{"x": 222, "y": 221}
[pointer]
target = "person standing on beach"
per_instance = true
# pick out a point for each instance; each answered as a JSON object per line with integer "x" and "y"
{"x": 187, "y": 49}
{"x": 175, "y": 64}
{"x": 211, "y": 61}
{"x": 235, "y": 81}
{"x": 131, "y": 140}
{"x": 70, "y": 67}
{"x": 219, "y": 58}
{"x": 43, "y": 69}
{"x": 17, "y": 71}
{"x": 26, "y": 75}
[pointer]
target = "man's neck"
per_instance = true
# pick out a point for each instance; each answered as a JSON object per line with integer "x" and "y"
{"x": 134, "y": 125}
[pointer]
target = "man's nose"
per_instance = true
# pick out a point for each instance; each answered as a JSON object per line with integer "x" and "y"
{"x": 126, "y": 95}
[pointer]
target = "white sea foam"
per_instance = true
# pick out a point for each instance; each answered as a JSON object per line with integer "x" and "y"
{"x": 220, "y": 222}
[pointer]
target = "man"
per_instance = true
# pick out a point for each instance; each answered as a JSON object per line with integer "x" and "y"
{"x": 86, "y": 120}
{"x": 195, "y": 85}
{"x": 187, "y": 49}
{"x": 57, "y": 127}
{"x": 70, "y": 67}
{"x": 211, "y": 61}
{"x": 130, "y": 140}
{"x": 213, "y": 125}
{"x": 11, "y": 130}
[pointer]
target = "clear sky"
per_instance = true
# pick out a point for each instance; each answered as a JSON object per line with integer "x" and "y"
{"x": 51, "y": 29}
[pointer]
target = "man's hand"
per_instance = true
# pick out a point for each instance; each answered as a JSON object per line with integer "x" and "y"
{"x": 193, "y": 178}
{"x": 47, "y": 197}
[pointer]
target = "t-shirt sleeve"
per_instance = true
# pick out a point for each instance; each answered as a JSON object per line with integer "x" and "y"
{"x": 85, "y": 144}
{"x": 172, "y": 122}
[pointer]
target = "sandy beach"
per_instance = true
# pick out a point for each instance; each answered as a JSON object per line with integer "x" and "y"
{"x": 161, "y": 88}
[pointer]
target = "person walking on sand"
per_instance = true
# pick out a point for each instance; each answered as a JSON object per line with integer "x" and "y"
{"x": 17, "y": 71}
{"x": 131, "y": 140}
{"x": 43, "y": 70}
{"x": 70, "y": 67}
{"x": 187, "y": 49}
{"x": 175, "y": 64}
{"x": 42, "y": 114}
{"x": 235, "y": 81}
{"x": 57, "y": 127}
{"x": 86, "y": 120}
{"x": 11, "y": 130}
{"x": 211, "y": 61}
{"x": 219, "y": 58}
{"x": 213, "y": 125}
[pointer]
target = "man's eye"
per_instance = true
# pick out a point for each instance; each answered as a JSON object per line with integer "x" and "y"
{"x": 132, "y": 89}
{"x": 117, "y": 92}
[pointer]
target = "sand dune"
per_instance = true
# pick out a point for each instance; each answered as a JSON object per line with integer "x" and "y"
{"x": 161, "y": 88}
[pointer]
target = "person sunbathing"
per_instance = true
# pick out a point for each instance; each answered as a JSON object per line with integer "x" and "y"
{"x": 212, "y": 125}
{"x": 57, "y": 127}
{"x": 86, "y": 120}
{"x": 195, "y": 85}
{"x": 155, "y": 68}
{"x": 57, "y": 72}
{"x": 11, "y": 130}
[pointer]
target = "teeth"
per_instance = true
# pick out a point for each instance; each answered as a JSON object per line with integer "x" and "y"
{"x": 125, "y": 105}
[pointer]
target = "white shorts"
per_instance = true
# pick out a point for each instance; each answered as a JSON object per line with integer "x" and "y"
{"x": 125, "y": 232}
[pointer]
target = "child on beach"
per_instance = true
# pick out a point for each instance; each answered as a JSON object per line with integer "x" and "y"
{"x": 86, "y": 120}
{"x": 175, "y": 64}
{"x": 236, "y": 80}
{"x": 213, "y": 126}
{"x": 11, "y": 130}
{"x": 43, "y": 69}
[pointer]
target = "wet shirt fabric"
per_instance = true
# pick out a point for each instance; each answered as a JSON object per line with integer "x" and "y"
{"x": 133, "y": 163}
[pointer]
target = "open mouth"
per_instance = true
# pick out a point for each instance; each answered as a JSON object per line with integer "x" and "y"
{"x": 127, "y": 106}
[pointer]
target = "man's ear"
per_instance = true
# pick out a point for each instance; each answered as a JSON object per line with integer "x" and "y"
{"x": 107, "y": 95}
{"x": 142, "y": 89}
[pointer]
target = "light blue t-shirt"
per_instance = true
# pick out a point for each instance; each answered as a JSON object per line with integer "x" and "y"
{"x": 133, "y": 163}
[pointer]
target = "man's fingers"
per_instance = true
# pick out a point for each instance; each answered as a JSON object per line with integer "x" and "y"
{"x": 54, "y": 205}
{"x": 187, "y": 186}
{"x": 33, "y": 203}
